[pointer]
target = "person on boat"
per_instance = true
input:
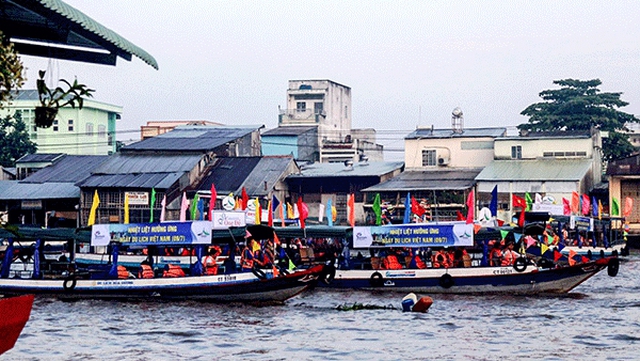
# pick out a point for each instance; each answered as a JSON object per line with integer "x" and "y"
{"x": 509, "y": 255}
{"x": 172, "y": 270}
{"x": 123, "y": 273}
{"x": 390, "y": 261}
{"x": 210, "y": 261}
{"x": 495, "y": 255}
{"x": 268, "y": 258}
{"x": 146, "y": 271}
{"x": 416, "y": 262}
{"x": 247, "y": 258}
{"x": 440, "y": 259}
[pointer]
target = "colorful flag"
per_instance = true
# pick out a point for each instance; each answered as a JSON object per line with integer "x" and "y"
{"x": 518, "y": 201}
{"x": 407, "y": 209}
{"x": 575, "y": 203}
{"x": 566, "y": 207}
{"x": 377, "y": 209}
{"x": 599, "y": 209}
{"x": 270, "y": 213}
{"x": 586, "y": 204}
{"x": 153, "y": 204}
{"x": 184, "y": 205}
{"x": 282, "y": 213}
{"x": 537, "y": 199}
{"x": 493, "y": 206}
{"x": 258, "y": 211}
{"x": 194, "y": 206}
{"x": 594, "y": 207}
{"x": 330, "y": 212}
{"x": 303, "y": 210}
{"x": 527, "y": 198}
{"x": 628, "y": 206}
{"x": 334, "y": 213}
{"x": 212, "y": 201}
{"x": 200, "y": 207}
{"x": 351, "y": 210}
{"x": 615, "y": 207}
{"x": 470, "y": 207}
{"x": 164, "y": 207}
{"x": 321, "y": 210}
{"x": 459, "y": 216}
{"x": 245, "y": 199}
{"x": 94, "y": 209}
{"x": 290, "y": 214}
{"x": 126, "y": 208}
{"x": 416, "y": 208}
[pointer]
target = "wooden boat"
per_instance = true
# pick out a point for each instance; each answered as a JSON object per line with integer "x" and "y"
{"x": 260, "y": 286}
{"x": 15, "y": 314}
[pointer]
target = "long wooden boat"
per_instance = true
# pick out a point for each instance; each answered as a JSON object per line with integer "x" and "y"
{"x": 15, "y": 313}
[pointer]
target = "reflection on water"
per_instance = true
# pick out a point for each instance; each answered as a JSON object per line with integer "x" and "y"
{"x": 599, "y": 320}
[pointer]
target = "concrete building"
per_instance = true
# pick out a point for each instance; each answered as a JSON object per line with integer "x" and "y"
{"x": 87, "y": 131}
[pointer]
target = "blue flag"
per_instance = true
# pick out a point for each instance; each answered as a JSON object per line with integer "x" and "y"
{"x": 407, "y": 209}
{"x": 594, "y": 207}
{"x": 275, "y": 202}
{"x": 493, "y": 206}
{"x": 329, "y": 212}
{"x": 200, "y": 207}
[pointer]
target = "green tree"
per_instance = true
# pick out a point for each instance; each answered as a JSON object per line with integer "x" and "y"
{"x": 10, "y": 70}
{"x": 579, "y": 105}
{"x": 14, "y": 140}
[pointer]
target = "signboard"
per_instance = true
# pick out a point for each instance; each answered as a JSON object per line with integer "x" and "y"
{"x": 138, "y": 198}
{"x": 152, "y": 234}
{"x": 581, "y": 223}
{"x": 224, "y": 219}
{"x": 419, "y": 235}
{"x": 31, "y": 204}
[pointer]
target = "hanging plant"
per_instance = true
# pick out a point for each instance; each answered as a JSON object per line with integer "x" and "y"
{"x": 52, "y": 100}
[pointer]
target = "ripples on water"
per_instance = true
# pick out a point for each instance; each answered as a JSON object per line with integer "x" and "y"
{"x": 600, "y": 320}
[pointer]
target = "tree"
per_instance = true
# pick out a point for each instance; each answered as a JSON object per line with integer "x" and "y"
{"x": 579, "y": 105}
{"x": 14, "y": 140}
{"x": 10, "y": 70}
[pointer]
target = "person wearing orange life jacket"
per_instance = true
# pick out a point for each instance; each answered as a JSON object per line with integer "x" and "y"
{"x": 247, "y": 259}
{"x": 440, "y": 259}
{"x": 122, "y": 272}
{"x": 145, "y": 271}
{"x": 416, "y": 261}
{"x": 495, "y": 255}
{"x": 509, "y": 255}
{"x": 390, "y": 261}
{"x": 209, "y": 262}
{"x": 172, "y": 270}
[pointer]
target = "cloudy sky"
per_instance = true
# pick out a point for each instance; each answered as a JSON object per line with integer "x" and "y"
{"x": 408, "y": 63}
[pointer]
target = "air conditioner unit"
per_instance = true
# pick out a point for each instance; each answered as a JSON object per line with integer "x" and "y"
{"x": 443, "y": 161}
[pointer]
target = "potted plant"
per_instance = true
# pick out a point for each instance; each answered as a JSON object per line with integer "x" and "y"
{"x": 52, "y": 100}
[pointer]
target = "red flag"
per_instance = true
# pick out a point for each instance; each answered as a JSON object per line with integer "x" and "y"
{"x": 556, "y": 255}
{"x": 459, "y": 216}
{"x": 416, "y": 208}
{"x": 572, "y": 254}
{"x": 575, "y": 203}
{"x": 519, "y": 201}
{"x": 351, "y": 210}
{"x": 586, "y": 204}
{"x": 471, "y": 208}
{"x": 245, "y": 199}
{"x": 270, "y": 214}
{"x": 303, "y": 210}
{"x": 212, "y": 202}
{"x": 628, "y": 207}
{"x": 566, "y": 207}
{"x": 521, "y": 219}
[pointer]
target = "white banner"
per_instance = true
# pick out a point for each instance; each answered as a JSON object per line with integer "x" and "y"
{"x": 226, "y": 219}
{"x": 138, "y": 198}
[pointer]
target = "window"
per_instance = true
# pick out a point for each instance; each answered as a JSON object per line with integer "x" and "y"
{"x": 318, "y": 108}
{"x": 102, "y": 131}
{"x": 55, "y": 125}
{"x": 516, "y": 152}
{"x": 70, "y": 125}
{"x": 89, "y": 129}
{"x": 429, "y": 158}
{"x": 346, "y": 112}
{"x": 301, "y": 106}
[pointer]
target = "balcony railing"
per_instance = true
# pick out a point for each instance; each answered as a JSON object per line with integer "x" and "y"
{"x": 301, "y": 116}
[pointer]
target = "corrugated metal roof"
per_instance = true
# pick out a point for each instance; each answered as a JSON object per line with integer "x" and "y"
{"x": 228, "y": 174}
{"x": 428, "y": 180}
{"x": 30, "y": 20}
{"x": 70, "y": 169}
{"x": 144, "y": 181}
{"x": 191, "y": 138}
{"x": 288, "y": 131}
{"x": 269, "y": 170}
{"x": 361, "y": 169}
{"x": 536, "y": 170}
{"x": 449, "y": 133}
{"x": 39, "y": 157}
{"x": 14, "y": 190}
{"x": 147, "y": 163}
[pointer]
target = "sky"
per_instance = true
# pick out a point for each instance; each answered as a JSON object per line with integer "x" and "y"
{"x": 408, "y": 63}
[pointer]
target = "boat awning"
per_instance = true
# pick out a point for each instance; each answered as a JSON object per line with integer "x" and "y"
{"x": 54, "y": 29}
{"x": 426, "y": 180}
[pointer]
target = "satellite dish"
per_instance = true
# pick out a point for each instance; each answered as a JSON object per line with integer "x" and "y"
{"x": 484, "y": 215}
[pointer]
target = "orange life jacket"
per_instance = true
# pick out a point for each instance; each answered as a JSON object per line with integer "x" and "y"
{"x": 420, "y": 263}
{"x": 509, "y": 257}
{"x": 246, "y": 261}
{"x": 391, "y": 262}
{"x": 173, "y": 271}
{"x": 495, "y": 257}
{"x": 210, "y": 265}
{"x": 440, "y": 259}
{"x": 122, "y": 272}
{"x": 145, "y": 271}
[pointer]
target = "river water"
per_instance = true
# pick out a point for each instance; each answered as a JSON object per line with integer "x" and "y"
{"x": 599, "y": 320}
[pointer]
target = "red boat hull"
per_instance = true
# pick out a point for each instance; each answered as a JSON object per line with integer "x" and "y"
{"x": 15, "y": 313}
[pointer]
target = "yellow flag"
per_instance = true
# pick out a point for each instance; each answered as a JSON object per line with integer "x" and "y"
{"x": 126, "y": 208}
{"x": 543, "y": 248}
{"x": 258, "y": 211}
{"x": 334, "y": 213}
{"x": 290, "y": 211}
{"x": 94, "y": 209}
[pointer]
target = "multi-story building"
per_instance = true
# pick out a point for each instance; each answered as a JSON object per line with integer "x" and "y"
{"x": 87, "y": 131}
